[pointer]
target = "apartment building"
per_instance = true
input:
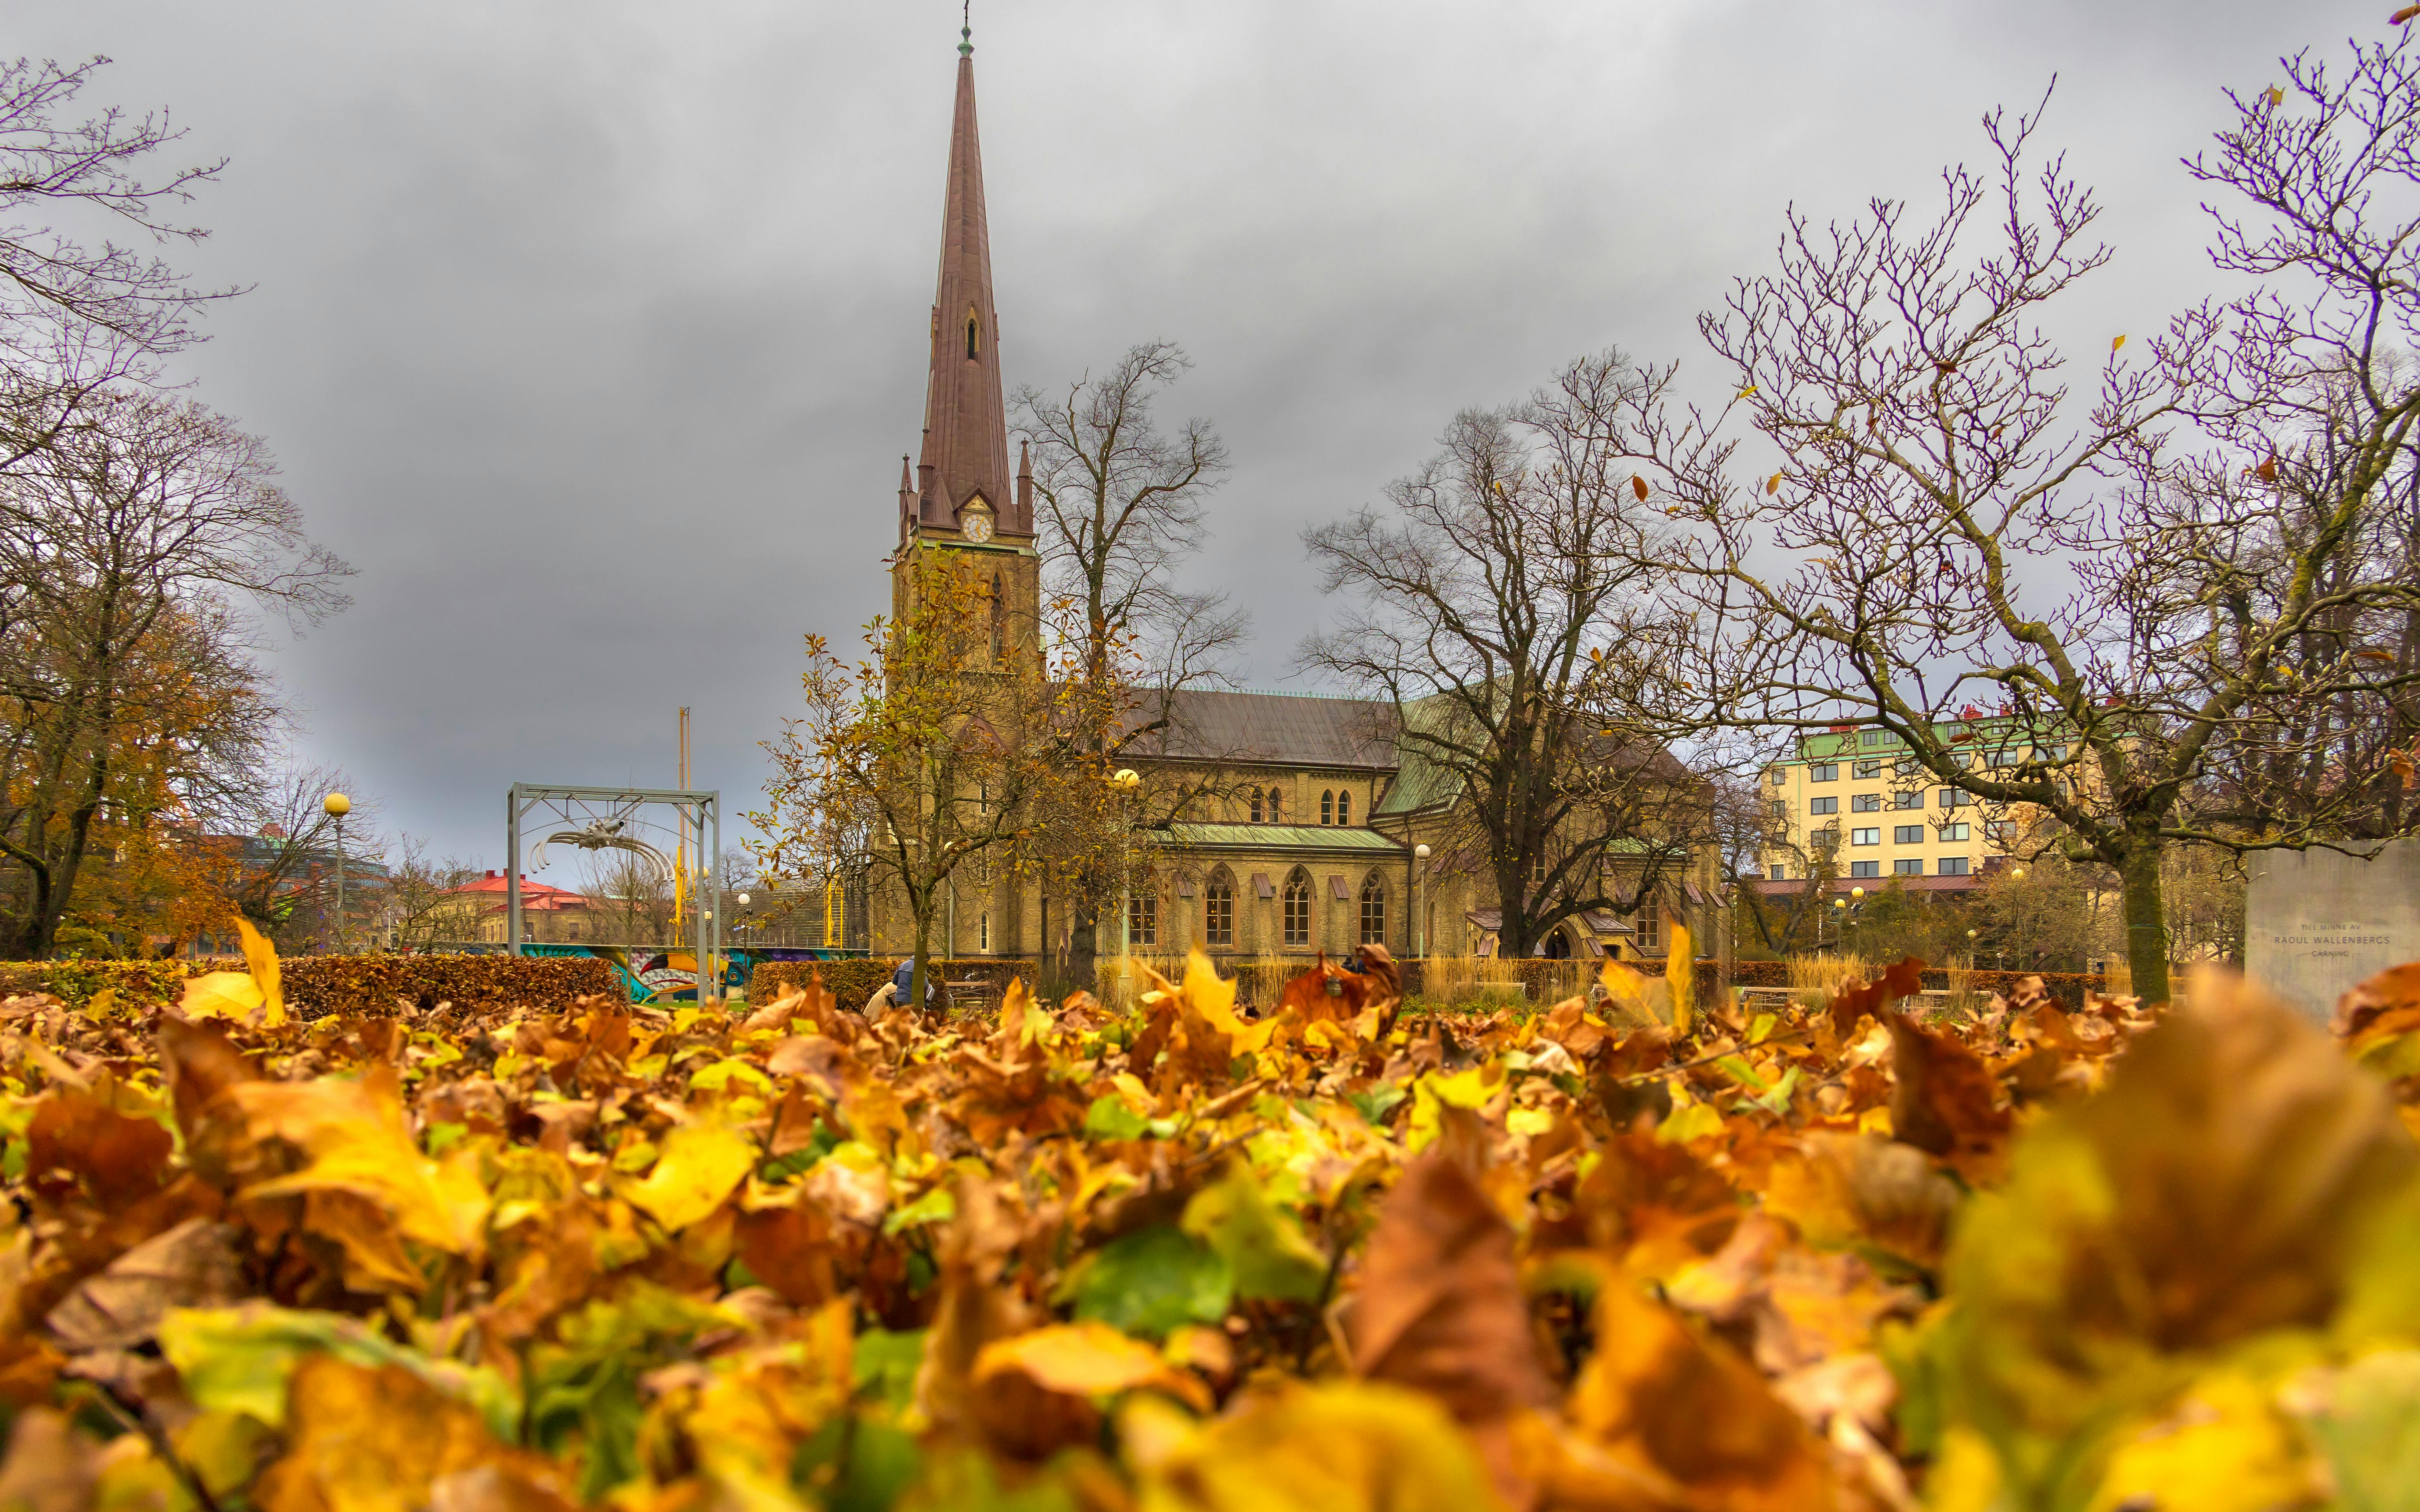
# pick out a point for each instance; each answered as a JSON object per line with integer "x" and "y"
{"x": 1850, "y": 796}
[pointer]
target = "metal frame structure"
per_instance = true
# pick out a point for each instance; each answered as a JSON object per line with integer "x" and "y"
{"x": 700, "y": 818}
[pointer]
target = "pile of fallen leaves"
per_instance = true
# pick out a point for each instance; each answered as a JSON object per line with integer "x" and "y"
{"x": 1612, "y": 1254}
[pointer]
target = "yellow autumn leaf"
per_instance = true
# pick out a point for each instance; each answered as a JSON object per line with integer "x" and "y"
{"x": 1342, "y": 1446}
{"x": 1679, "y": 974}
{"x": 261, "y": 957}
{"x": 221, "y": 995}
{"x": 354, "y": 1132}
{"x": 1076, "y": 1359}
{"x": 2114, "y": 345}
{"x": 700, "y": 1164}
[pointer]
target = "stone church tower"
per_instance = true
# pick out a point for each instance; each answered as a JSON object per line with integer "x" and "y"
{"x": 959, "y": 497}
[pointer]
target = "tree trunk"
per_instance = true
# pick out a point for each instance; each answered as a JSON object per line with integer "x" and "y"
{"x": 2146, "y": 921}
{"x": 1084, "y": 948}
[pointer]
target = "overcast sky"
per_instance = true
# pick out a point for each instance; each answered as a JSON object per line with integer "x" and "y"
{"x": 592, "y": 334}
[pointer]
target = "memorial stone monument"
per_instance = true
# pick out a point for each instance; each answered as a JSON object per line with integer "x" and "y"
{"x": 2315, "y": 922}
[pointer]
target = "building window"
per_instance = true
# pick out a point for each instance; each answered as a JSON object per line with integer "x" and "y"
{"x": 1256, "y": 806}
{"x": 1823, "y": 772}
{"x": 1781, "y": 808}
{"x": 1650, "y": 924}
{"x": 1907, "y": 834}
{"x": 1873, "y": 737}
{"x": 1142, "y": 919}
{"x": 1908, "y": 800}
{"x": 1343, "y": 807}
{"x": 1953, "y": 798}
{"x": 1953, "y": 866}
{"x": 1373, "y": 913}
{"x": 999, "y": 620}
{"x": 1866, "y": 803}
{"x": 1865, "y": 869}
{"x": 1823, "y": 806}
{"x": 1780, "y": 777}
{"x": 1828, "y": 838}
{"x": 1865, "y": 837}
{"x": 1864, "y": 770}
{"x": 1957, "y": 831}
{"x": 1219, "y": 911}
{"x": 1297, "y": 906}
{"x": 974, "y": 335}
{"x": 1327, "y": 806}
{"x": 1912, "y": 866}
{"x": 983, "y": 935}
{"x": 1273, "y": 808}
{"x": 1780, "y": 873}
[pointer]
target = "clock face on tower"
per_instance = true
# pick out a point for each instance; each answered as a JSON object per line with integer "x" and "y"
{"x": 974, "y": 521}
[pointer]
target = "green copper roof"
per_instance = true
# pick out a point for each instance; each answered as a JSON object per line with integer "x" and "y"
{"x": 1281, "y": 837}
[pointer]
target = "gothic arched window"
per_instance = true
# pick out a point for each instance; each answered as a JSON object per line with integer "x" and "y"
{"x": 975, "y": 336}
{"x": 1219, "y": 909}
{"x": 1274, "y": 817}
{"x": 1297, "y": 909}
{"x": 1327, "y": 806}
{"x": 999, "y": 620}
{"x": 1343, "y": 806}
{"x": 1374, "y": 910}
{"x": 1256, "y": 806}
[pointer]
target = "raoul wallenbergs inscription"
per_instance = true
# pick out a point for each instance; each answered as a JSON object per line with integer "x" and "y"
{"x": 2317, "y": 922}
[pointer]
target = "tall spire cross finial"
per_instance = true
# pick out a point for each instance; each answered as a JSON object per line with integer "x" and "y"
{"x": 966, "y": 28}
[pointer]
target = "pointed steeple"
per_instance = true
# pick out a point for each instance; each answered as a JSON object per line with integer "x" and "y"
{"x": 966, "y": 423}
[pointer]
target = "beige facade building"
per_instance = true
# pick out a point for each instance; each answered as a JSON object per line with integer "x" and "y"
{"x": 1848, "y": 801}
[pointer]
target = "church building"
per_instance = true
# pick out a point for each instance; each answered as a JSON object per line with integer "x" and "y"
{"x": 1321, "y": 837}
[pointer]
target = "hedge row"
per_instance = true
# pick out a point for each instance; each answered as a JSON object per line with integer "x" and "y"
{"x": 317, "y": 985}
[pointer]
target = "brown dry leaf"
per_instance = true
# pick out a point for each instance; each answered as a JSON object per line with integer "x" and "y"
{"x": 196, "y": 1264}
{"x": 1691, "y": 1411}
{"x": 1034, "y": 1394}
{"x": 50, "y": 1467}
{"x": 79, "y": 1143}
{"x": 2393, "y": 992}
{"x": 1855, "y": 1001}
{"x": 1944, "y": 1100}
{"x": 1440, "y": 1309}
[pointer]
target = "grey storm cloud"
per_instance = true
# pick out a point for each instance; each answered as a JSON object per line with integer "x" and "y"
{"x": 592, "y": 333}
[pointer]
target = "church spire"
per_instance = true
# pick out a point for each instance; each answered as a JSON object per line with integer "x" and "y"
{"x": 966, "y": 424}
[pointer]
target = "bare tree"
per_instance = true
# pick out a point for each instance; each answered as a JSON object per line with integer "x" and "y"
{"x": 134, "y": 547}
{"x": 76, "y": 319}
{"x": 422, "y": 903}
{"x": 1121, "y": 508}
{"x": 2145, "y": 614}
{"x": 1501, "y": 604}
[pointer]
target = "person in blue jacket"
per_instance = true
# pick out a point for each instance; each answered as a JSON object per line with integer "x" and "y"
{"x": 906, "y": 974}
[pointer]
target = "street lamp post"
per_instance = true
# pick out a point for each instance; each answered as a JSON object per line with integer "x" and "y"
{"x": 1421, "y": 902}
{"x": 337, "y": 805}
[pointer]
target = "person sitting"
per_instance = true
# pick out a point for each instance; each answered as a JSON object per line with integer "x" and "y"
{"x": 901, "y": 978}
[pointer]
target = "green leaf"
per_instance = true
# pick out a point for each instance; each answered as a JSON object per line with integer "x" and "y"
{"x": 1153, "y": 1280}
{"x": 240, "y": 1359}
{"x": 935, "y": 1207}
{"x": 1374, "y": 1105}
{"x": 1257, "y": 1239}
{"x": 2369, "y": 1430}
{"x": 885, "y": 1366}
{"x": 1109, "y": 1118}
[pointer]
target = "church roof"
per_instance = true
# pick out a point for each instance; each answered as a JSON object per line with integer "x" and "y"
{"x": 1276, "y": 729}
{"x": 966, "y": 424}
{"x": 1280, "y": 838}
